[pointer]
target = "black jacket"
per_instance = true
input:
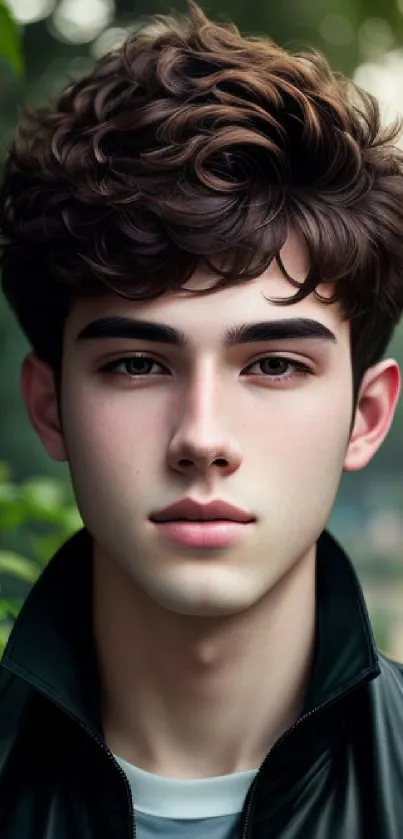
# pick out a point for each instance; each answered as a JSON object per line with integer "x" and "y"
{"x": 336, "y": 774}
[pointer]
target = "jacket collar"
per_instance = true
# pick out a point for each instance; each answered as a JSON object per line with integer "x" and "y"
{"x": 52, "y": 647}
{"x": 345, "y": 652}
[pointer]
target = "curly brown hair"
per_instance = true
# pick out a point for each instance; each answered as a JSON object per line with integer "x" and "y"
{"x": 191, "y": 141}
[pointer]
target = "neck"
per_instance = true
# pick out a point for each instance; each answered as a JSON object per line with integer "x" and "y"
{"x": 199, "y": 697}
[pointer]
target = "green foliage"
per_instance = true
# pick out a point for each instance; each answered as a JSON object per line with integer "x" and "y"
{"x": 37, "y": 515}
{"x": 10, "y": 40}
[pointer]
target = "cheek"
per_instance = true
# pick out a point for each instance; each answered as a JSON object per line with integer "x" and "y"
{"x": 320, "y": 437}
{"x": 305, "y": 444}
{"x": 107, "y": 435}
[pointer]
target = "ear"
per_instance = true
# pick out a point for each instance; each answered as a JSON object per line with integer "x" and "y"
{"x": 40, "y": 399}
{"x": 376, "y": 405}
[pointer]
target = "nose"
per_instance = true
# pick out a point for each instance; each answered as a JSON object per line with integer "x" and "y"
{"x": 202, "y": 442}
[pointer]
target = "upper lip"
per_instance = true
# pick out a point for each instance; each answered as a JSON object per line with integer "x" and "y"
{"x": 189, "y": 509}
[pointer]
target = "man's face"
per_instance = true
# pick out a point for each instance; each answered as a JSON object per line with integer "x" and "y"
{"x": 208, "y": 421}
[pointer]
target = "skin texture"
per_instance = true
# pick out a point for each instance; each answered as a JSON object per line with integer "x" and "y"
{"x": 205, "y": 655}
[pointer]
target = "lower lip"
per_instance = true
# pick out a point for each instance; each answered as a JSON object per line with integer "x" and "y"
{"x": 206, "y": 534}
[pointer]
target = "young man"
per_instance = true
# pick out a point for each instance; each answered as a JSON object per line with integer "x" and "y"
{"x": 203, "y": 242}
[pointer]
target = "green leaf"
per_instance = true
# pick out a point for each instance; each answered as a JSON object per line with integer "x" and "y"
{"x": 8, "y": 492}
{"x": 11, "y": 516}
{"x": 10, "y": 40}
{"x": 11, "y": 509}
{"x": 18, "y": 566}
{"x": 5, "y": 630}
{"x": 12, "y": 607}
{"x": 5, "y": 471}
{"x": 43, "y": 493}
{"x": 8, "y": 609}
{"x": 71, "y": 520}
{"x": 45, "y": 546}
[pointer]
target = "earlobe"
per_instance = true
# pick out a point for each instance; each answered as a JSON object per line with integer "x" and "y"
{"x": 40, "y": 399}
{"x": 376, "y": 405}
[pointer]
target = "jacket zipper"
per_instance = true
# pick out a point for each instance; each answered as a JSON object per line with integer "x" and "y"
{"x": 132, "y": 829}
{"x": 319, "y": 709}
{"x": 362, "y": 679}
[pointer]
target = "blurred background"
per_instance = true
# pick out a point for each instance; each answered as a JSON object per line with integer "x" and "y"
{"x": 44, "y": 44}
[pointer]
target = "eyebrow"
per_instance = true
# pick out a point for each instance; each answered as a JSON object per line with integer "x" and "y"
{"x": 244, "y": 333}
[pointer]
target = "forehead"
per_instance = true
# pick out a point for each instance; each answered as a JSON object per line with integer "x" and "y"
{"x": 203, "y": 319}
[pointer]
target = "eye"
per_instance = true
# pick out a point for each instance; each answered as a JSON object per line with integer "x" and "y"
{"x": 280, "y": 368}
{"x": 277, "y": 368}
{"x": 133, "y": 365}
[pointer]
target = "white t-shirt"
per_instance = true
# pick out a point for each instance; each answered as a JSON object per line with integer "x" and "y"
{"x": 171, "y": 808}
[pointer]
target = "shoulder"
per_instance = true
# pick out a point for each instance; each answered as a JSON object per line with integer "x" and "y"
{"x": 386, "y": 692}
{"x": 391, "y": 673}
{"x": 14, "y": 696}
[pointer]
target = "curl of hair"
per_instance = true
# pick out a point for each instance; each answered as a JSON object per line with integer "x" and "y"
{"x": 191, "y": 144}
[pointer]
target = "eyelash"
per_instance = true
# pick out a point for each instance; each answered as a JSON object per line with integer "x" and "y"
{"x": 300, "y": 368}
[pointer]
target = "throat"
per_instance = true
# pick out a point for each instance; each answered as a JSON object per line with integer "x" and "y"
{"x": 200, "y": 697}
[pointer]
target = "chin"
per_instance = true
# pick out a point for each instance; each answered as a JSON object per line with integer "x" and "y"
{"x": 208, "y": 611}
{"x": 207, "y": 608}
{"x": 207, "y": 595}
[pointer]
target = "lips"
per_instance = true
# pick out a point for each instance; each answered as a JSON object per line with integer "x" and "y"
{"x": 189, "y": 510}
